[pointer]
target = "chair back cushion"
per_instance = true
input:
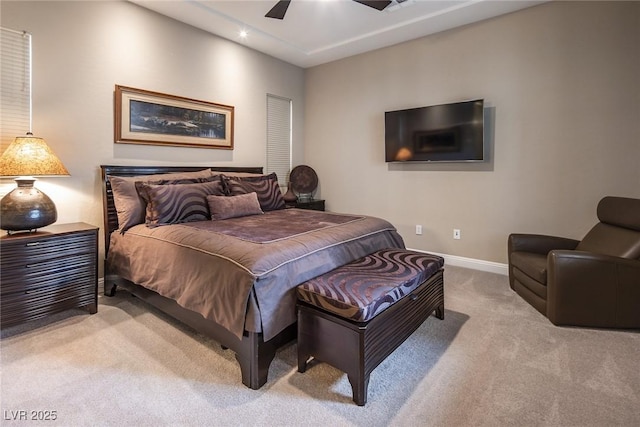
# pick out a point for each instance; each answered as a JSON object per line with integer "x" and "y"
{"x": 618, "y": 233}
{"x": 620, "y": 211}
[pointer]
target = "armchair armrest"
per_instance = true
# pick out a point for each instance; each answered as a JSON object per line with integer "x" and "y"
{"x": 588, "y": 289}
{"x": 539, "y": 243}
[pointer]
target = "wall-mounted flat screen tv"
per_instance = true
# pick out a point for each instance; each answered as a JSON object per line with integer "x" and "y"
{"x": 438, "y": 133}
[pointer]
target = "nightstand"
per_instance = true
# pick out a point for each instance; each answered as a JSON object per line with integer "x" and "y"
{"x": 48, "y": 271}
{"x": 316, "y": 205}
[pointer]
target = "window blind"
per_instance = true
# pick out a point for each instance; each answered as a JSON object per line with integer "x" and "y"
{"x": 15, "y": 85}
{"x": 279, "y": 137}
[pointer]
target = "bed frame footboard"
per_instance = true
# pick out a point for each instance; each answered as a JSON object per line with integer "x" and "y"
{"x": 254, "y": 355}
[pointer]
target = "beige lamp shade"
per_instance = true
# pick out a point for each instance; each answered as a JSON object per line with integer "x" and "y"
{"x": 26, "y": 207}
{"x": 30, "y": 156}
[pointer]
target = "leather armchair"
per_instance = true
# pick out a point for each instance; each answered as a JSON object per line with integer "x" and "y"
{"x": 594, "y": 282}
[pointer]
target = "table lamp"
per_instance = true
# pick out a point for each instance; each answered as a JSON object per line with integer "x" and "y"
{"x": 26, "y": 207}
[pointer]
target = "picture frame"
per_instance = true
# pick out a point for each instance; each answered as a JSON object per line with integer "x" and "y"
{"x": 153, "y": 118}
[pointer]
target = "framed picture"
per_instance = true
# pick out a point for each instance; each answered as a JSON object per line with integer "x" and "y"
{"x": 145, "y": 117}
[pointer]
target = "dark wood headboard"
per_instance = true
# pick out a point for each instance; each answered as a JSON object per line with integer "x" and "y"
{"x": 110, "y": 215}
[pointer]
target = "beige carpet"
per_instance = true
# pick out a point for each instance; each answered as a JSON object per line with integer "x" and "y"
{"x": 493, "y": 361}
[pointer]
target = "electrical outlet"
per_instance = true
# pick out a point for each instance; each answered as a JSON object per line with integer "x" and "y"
{"x": 418, "y": 229}
{"x": 456, "y": 234}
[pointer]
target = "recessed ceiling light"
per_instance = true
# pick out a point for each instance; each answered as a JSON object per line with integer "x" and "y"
{"x": 244, "y": 34}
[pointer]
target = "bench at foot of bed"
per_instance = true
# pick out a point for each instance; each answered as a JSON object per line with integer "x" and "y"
{"x": 355, "y": 316}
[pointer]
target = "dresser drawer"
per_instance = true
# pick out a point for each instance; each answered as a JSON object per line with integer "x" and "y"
{"x": 17, "y": 254}
{"x": 22, "y": 306}
{"x": 59, "y": 270}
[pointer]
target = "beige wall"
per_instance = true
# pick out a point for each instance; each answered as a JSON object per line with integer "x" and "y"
{"x": 561, "y": 81}
{"x": 81, "y": 50}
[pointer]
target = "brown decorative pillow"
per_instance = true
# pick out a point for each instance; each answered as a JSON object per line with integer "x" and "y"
{"x": 224, "y": 207}
{"x": 130, "y": 208}
{"x": 176, "y": 203}
{"x": 265, "y": 186}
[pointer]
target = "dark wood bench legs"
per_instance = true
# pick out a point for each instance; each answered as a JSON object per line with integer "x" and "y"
{"x": 359, "y": 387}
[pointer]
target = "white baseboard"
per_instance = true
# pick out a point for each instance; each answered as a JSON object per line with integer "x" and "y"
{"x": 475, "y": 264}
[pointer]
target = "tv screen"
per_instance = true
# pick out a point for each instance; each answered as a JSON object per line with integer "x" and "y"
{"x": 438, "y": 133}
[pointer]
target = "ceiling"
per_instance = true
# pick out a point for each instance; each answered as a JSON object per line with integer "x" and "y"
{"x": 314, "y": 32}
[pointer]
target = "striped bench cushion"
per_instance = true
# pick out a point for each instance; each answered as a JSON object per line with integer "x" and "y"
{"x": 362, "y": 289}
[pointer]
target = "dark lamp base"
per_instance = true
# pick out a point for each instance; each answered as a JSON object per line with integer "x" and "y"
{"x": 290, "y": 196}
{"x": 26, "y": 208}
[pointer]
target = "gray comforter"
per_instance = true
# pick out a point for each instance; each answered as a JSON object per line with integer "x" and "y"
{"x": 242, "y": 272}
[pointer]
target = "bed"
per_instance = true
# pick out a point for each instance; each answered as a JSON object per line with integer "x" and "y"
{"x": 232, "y": 278}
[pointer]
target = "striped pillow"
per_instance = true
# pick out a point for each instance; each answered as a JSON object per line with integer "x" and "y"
{"x": 265, "y": 186}
{"x": 129, "y": 206}
{"x": 176, "y": 203}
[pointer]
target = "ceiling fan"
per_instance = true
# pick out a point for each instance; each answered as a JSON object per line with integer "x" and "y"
{"x": 280, "y": 9}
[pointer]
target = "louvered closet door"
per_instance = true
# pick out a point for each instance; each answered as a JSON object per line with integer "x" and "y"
{"x": 279, "y": 137}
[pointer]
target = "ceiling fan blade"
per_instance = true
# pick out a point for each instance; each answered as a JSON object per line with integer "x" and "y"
{"x": 278, "y": 11}
{"x": 376, "y": 4}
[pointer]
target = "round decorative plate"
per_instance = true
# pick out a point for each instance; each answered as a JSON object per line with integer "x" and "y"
{"x": 303, "y": 179}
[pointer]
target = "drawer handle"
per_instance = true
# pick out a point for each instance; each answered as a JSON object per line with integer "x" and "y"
{"x": 33, "y": 244}
{"x": 413, "y": 297}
